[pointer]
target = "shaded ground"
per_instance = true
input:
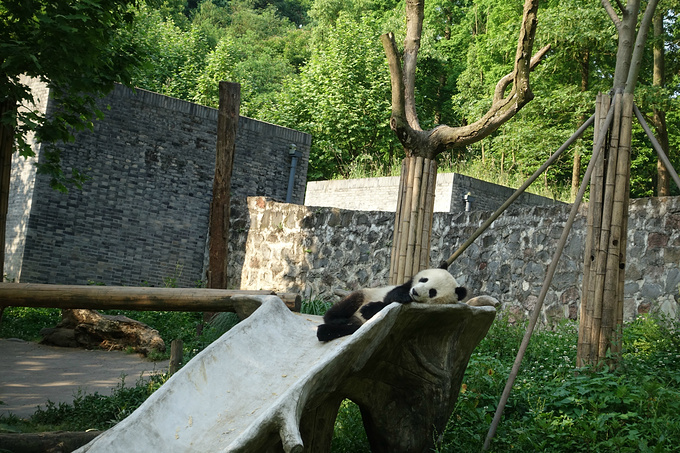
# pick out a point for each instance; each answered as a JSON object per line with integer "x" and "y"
{"x": 32, "y": 374}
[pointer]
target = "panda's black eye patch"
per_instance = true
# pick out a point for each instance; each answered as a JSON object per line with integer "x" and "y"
{"x": 423, "y": 280}
{"x": 433, "y": 293}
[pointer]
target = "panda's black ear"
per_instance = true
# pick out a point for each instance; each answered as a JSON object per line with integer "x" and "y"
{"x": 444, "y": 265}
{"x": 461, "y": 292}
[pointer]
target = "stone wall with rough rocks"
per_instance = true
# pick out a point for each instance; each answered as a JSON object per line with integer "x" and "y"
{"x": 314, "y": 251}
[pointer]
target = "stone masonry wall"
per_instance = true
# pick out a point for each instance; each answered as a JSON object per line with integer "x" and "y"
{"x": 314, "y": 251}
{"x": 143, "y": 216}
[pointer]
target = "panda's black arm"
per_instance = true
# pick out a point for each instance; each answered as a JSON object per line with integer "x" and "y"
{"x": 369, "y": 310}
{"x": 401, "y": 294}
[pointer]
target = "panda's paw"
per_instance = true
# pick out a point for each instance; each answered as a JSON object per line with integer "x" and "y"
{"x": 325, "y": 333}
{"x": 369, "y": 310}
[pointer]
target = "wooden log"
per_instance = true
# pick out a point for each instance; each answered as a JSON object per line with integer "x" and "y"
{"x": 55, "y": 442}
{"x": 133, "y": 298}
{"x": 6, "y": 148}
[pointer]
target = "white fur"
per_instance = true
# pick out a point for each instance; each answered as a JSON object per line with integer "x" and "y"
{"x": 439, "y": 280}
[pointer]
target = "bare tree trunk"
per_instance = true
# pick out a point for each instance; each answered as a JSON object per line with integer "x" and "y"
{"x": 6, "y": 148}
{"x": 605, "y": 255}
{"x": 663, "y": 184}
{"x": 410, "y": 251}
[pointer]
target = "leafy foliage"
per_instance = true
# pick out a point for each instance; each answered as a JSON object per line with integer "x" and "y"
{"x": 96, "y": 411}
{"x": 79, "y": 49}
{"x": 555, "y": 408}
{"x": 341, "y": 97}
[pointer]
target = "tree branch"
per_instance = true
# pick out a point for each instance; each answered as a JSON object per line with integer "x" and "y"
{"x": 404, "y": 120}
{"x": 503, "y": 107}
{"x": 639, "y": 48}
{"x": 612, "y": 13}
{"x": 415, "y": 12}
{"x": 503, "y": 83}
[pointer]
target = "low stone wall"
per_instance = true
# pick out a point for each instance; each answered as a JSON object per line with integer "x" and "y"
{"x": 314, "y": 251}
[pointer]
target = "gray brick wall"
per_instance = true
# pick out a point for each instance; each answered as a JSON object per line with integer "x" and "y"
{"x": 144, "y": 214}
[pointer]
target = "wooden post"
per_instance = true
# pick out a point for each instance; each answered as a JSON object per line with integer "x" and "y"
{"x": 227, "y": 125}
{"x": 176, "y": 356}
{"x": 6, "y": 148}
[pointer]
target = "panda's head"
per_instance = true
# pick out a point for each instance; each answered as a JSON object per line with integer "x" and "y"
{"x": 436, "y": 286}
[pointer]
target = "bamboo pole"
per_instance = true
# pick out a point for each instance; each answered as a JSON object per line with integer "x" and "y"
{"x": 550, "y": 272}
{"x": 518, "y": 192}
{"x": 396, "y": 236}
{"x": 413, "y": 220}
{"x": 420, "y": 219}
{"x": 605, "y": 230}
{"x": 428, "y": 217}
{"x": 612, "y": 299}
{"x": 594, "y": 221}
{"x": 404, "y": 223}
{"x": 657, "y": 146}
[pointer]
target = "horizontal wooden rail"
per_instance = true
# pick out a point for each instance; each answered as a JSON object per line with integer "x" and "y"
{"x": 132, "y": 298}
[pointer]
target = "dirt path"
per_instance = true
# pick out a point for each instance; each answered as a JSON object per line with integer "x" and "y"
{"x": 31, "y": 374}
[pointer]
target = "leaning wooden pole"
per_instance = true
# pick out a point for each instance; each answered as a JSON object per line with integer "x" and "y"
{"x": 413, "y": 221}
{"x": 227, "y": 126}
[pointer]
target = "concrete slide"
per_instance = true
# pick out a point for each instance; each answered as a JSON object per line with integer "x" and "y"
{"x": 248, "y": 390}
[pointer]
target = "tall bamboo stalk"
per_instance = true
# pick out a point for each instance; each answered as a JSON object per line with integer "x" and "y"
{"x": 604, "y": 261}
{"x": 413, "y": 223}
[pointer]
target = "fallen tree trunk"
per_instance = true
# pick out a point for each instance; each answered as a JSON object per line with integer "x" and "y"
{"x": 91, "y": 330}
{"x": 51, "y": 442}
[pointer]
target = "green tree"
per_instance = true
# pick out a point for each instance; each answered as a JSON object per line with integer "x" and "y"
{"x": 80, "y": 49}
{"x": 341, "y": 98}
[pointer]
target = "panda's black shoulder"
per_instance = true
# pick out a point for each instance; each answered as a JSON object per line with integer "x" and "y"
{"x": 401, "y": 294}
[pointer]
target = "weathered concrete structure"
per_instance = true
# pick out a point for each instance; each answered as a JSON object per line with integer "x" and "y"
{"x": 454, "y": 193}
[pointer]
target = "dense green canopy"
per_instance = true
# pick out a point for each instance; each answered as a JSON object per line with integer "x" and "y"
{"x": 318, "y": 66}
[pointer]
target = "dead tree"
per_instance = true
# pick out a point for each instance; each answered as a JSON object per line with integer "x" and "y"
{"x": 410, "y": 246}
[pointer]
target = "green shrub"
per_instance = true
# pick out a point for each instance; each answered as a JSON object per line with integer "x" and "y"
{"x": 556, "y": 408}
{"x": 95, "y": 411}
{"x": 25, "y": 323}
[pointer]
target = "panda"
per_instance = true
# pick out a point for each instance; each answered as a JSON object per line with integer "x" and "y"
{"x": 431, "y": 286}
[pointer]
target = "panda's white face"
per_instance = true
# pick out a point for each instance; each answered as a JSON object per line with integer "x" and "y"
{"x": 436, "y": 286}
